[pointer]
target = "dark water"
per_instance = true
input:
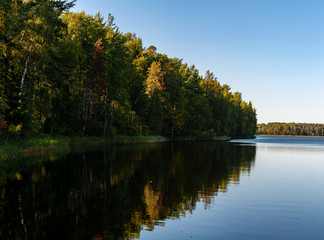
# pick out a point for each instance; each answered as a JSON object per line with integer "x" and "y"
{"x": 265, "y": 188}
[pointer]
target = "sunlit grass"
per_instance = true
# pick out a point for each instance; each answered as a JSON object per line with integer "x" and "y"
{"x": 37, "y": 145}
{"x": 20, "y": 147}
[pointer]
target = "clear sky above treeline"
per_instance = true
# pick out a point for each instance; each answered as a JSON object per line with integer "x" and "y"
{"x": 272, "y": 51}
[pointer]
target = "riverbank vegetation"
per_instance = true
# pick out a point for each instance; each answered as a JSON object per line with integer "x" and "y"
{"x": 291, "y": 129}
{"x": 22, "y": 147}
{"x": 74, "y": 74}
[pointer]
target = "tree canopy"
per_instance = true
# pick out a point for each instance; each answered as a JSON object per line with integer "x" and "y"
{"x": 76, "y": 74}
{"x": 290, "y": 129}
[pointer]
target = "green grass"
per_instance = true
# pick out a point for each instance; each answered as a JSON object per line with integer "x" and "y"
{"x": 21, "y": 147}
{"x": 8, "y": 150}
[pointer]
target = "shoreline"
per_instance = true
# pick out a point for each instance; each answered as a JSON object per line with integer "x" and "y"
{"x": 34, "y": 146}
{"x": 268, "y": 135}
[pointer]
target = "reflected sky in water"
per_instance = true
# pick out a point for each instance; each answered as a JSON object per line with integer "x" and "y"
{"x": 282, "y": 197}
{"x": 265, "y": 188}
{"x": 283, "y": 140}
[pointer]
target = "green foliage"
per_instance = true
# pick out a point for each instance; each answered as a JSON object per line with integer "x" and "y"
{"x": 75, "y": 74}
{"x": 290, "y": 129}
{"x": 22, "y": 147}
{"x": 154, "y": 81}
{"x": 232, "y": 116}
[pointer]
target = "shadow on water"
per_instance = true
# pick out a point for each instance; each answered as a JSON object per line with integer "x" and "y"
{"x": 115, "y": 192}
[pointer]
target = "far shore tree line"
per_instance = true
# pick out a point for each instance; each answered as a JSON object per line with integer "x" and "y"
{"x": 67, "y": 73}
{"x": 289, "y": 129}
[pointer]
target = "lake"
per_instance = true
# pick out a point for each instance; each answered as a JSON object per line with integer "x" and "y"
{"x": 263, "y": 188}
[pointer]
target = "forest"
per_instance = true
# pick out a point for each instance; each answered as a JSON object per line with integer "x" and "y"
{"x": 298, "y": 129}
{"x": 74, "y": 74}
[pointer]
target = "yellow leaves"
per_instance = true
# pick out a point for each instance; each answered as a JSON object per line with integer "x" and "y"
{"x": 139, "y": 63}
{"x": 19, "y": 127}
{"x": 151, "y": 51}
{"x": 15, "y": 7}
{"x": 3, "y": 49}
{"x": 15, "y": 130}
{"x": 7, "y": 13}
{"x": 154, "y": 80}
{"x": 18, "y": 176}
{"x": 2, "y": 18}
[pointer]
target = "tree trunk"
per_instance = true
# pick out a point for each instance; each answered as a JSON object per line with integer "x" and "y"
{"x": 22, "y": 37}
{"x": 86, "y": 115}
{"x": 25, "y": 72}
{"x": 106, "y": 122}
{"x": 173, "y": 120}
{"x": 22, "y": 216}
{"x": 106, "y": 114}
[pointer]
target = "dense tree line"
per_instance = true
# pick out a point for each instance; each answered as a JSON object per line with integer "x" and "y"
{"x": 301, "y": 129}
{"x": 76, "y": 74}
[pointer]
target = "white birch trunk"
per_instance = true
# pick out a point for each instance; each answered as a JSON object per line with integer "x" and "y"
{"x": 24, "y": 74}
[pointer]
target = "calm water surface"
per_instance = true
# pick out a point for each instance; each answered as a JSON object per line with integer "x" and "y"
{"x": 264, "y": 188}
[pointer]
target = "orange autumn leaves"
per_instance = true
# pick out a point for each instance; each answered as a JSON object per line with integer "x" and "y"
{"x": 154, "y": 80}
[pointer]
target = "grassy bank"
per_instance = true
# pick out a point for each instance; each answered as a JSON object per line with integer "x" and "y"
{"x": 22, "y": 147}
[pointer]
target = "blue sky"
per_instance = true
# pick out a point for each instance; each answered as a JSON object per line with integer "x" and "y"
{"x": 272, "y": 51}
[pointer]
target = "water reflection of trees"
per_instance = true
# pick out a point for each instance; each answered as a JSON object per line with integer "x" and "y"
{"x": 116, "y": 192}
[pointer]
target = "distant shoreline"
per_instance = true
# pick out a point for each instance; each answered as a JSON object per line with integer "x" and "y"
{"x": 291, "y": 129}
{"x": 288, "y": 135}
